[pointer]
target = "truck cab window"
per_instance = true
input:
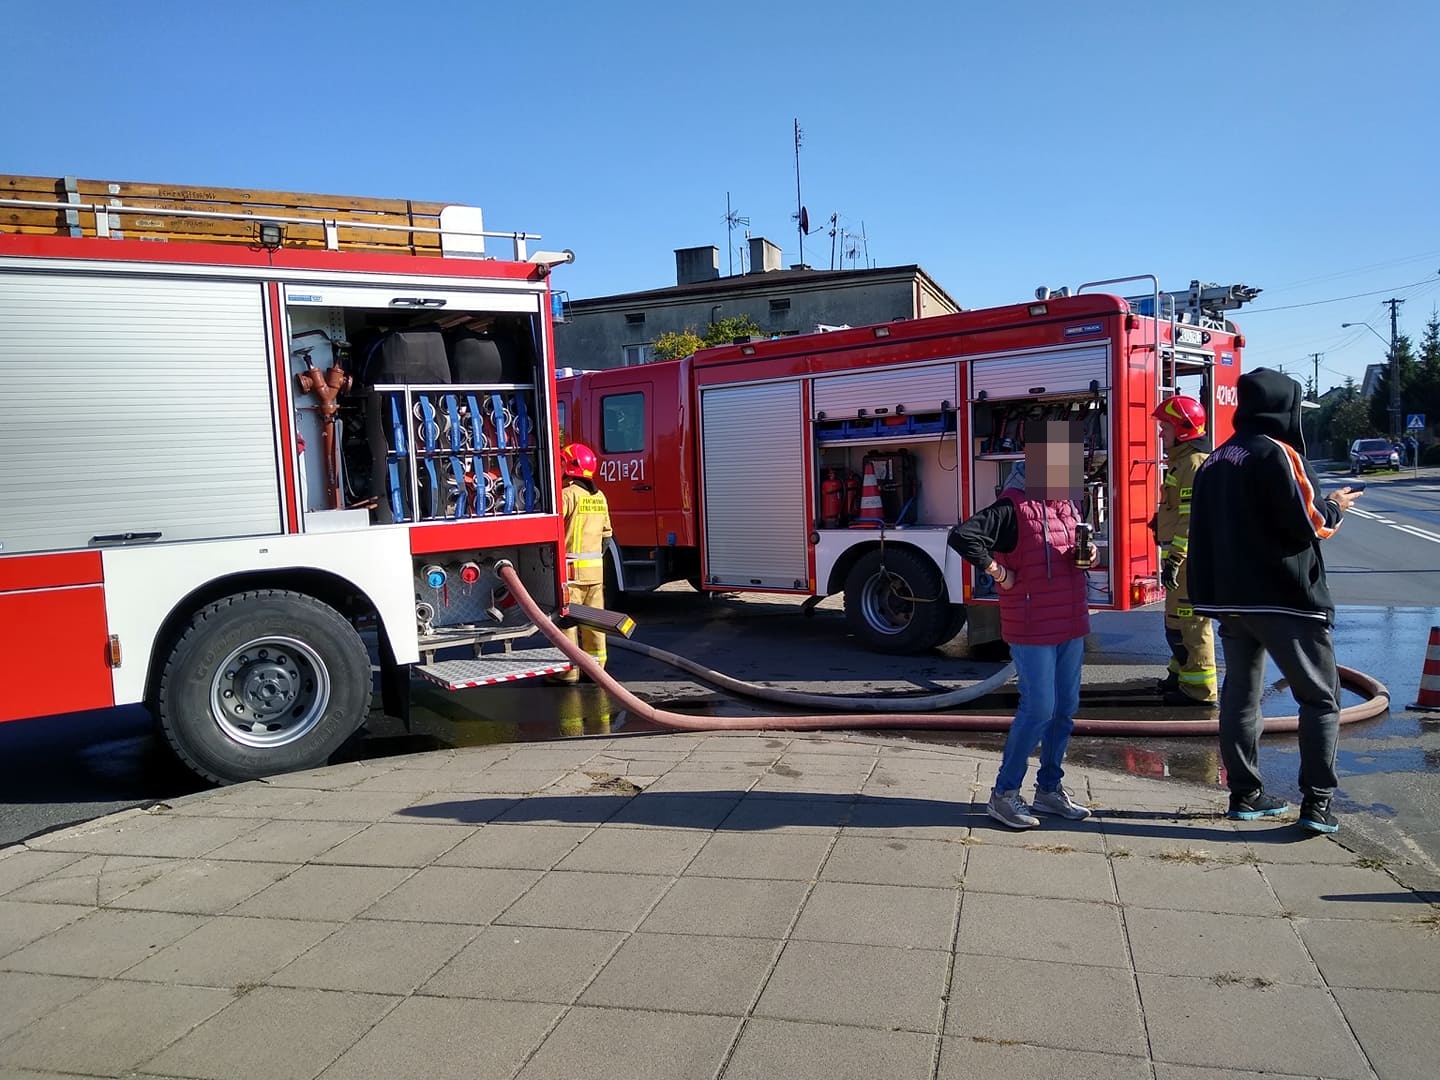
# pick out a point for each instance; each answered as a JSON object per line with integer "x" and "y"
{"x": 623, "y": 423}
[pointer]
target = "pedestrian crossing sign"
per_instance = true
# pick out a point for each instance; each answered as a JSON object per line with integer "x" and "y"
{"x": 1416, "y": 422}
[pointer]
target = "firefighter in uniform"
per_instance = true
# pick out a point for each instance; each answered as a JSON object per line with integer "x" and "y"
{"x": 587, "y": 527}
{"x": 1191, "y": 680}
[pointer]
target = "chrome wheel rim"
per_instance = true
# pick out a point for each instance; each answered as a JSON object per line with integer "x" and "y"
{"x": 269, "y": 692}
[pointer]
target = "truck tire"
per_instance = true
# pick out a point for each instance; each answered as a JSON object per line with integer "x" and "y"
{"x": 263, "y": 682}
{"x": 899, "y": 606}
{"x": 958, "y": 617}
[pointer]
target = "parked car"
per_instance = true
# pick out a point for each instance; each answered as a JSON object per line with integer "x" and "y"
{"x": 1373, "y": 454}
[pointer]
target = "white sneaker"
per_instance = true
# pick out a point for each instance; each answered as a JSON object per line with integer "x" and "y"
{"x": 1008, "y": 808}
{"x": 1061, "y": 803}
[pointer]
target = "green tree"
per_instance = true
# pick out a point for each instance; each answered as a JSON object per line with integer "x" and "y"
{"x": 728, "y": 329}
{"x": 1427, "y": 379}
{"x": 1380, "y": 401}
{"x": 684, "y": 342}
{"x": 676, "y": 344}
{"x": 1349, "y": 421}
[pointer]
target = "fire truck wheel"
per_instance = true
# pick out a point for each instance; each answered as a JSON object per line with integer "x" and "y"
{"x": 958, "y": 618}
{"x": 899, "y": 606}
{"x": 261, "y": 683}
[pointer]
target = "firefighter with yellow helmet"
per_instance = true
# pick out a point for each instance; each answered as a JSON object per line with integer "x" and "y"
{"x": 1191, "y": 678}
{"x": 587, "y": 527}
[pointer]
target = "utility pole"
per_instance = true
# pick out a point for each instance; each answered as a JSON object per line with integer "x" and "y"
{"x": 1316, "y": 357}
{"x": 1394, "y": 370}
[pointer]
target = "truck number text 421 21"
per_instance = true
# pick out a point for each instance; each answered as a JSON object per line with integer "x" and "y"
{"x": 612, "y": 470}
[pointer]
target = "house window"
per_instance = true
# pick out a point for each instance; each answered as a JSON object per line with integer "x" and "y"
{"x": 783, "y": 304}
{"x": 635, "y": 318}
{"x": 622, "y": 419}
{"x": 638, "y": 354}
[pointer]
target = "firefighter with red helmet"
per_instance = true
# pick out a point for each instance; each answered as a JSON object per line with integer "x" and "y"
{"x": 1191, "y": 678}
{"x": 587, "y": 527}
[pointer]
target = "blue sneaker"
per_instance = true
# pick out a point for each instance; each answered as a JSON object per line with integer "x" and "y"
{"x": 1315, "y": 815}
{"x": 1255, "y": 805}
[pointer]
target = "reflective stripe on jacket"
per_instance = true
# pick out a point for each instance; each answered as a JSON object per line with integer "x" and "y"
{"x": 587, "y": 527}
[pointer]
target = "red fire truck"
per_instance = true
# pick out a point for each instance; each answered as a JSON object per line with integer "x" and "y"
{"x": 740, "y": 468}
{"x": 238, "y": 466}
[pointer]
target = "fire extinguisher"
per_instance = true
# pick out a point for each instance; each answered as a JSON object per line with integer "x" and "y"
{"x": 830, "y": 492}
{"x": 852, "y": 496}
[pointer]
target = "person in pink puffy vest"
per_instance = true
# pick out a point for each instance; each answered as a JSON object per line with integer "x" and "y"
{"x": 1027, "y": 542}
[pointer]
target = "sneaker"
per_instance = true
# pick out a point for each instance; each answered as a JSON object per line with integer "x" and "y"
{"x": 1059, "y": 802}
{"x": 1315, "y": 815}
{"x": 1008, "y": 808}
{"x": 1255, "y": 805}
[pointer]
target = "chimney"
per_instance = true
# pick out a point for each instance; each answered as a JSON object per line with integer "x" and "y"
{"x": 696, "y": 264}
{"x": 764, "y": 256}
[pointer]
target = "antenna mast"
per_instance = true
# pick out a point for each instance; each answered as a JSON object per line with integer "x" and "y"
{"x": 732, "y": 219}
{"x": 799, "y": 207}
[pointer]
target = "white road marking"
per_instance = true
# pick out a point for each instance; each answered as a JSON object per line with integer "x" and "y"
{"x": 1422, "y": 534}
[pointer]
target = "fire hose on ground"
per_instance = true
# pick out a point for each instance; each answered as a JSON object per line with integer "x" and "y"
{"x": 1376, "y": 704}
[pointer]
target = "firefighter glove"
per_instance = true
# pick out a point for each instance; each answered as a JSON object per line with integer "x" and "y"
{"x": 1170, "y": 574}
{"x": 1154, "y": 526}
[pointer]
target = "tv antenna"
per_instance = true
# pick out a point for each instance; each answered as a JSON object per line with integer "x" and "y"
{"x": 834, "y": 228}
{"x": 732, "y": 220}
{"x": 801, "y": 215}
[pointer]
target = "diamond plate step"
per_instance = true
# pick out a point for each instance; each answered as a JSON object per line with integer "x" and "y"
{"x": 494, "y": 668}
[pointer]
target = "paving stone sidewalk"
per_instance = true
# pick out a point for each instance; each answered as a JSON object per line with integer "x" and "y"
{"x": 690, "y": 906}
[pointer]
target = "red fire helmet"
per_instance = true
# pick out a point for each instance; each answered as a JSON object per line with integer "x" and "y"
{"x": 1184, "y": 414}
{"x": 577, "y": 459}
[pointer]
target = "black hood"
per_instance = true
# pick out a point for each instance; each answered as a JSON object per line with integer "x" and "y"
{"x": 1269, "y": 403}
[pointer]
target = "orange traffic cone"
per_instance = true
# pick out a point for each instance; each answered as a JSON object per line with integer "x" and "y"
{"x": 872, "y": 510}
{"x": 1428, "y": 700}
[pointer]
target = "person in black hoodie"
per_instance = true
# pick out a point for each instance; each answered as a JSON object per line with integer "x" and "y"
{"x": 1257, "y": 520}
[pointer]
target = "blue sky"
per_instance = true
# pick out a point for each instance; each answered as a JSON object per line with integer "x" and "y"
{"x": 1291, "y": 146}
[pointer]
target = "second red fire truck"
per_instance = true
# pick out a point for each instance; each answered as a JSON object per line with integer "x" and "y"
{"x": 746, "y": 467}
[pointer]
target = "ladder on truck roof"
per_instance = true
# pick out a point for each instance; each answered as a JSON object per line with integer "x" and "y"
{"x": 66, "y": 206}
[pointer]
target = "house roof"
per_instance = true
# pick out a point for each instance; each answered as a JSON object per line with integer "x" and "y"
{"x": 737, "y": 283}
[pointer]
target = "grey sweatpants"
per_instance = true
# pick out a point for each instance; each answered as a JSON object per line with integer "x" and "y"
{"x": 1303, "y": 651}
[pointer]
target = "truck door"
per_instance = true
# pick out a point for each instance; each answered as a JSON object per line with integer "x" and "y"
{"x": 626, "y": 449}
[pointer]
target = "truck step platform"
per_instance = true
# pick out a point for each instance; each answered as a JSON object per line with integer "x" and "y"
{"x": 495, "y": 668}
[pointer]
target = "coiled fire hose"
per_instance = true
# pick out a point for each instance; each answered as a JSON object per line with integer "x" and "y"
{"x": 1376, "y": 703}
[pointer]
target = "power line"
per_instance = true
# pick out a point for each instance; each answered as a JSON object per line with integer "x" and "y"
{"x": 1338, "y": 299}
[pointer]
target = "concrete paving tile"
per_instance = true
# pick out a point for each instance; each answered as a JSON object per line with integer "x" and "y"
{"x": 1207, "y": 843}
{"x": 821, "y": 762}
{"x": 253, "y": 800}
{"x": 102, "y": 944}
{"x": 790, "y": 855}
{"x": 231, "y": 952}
{"x": 677, "y": 811}
{"x": 25, "y": 997}
{"x": 635, "y": 851}
{"x": 416, "y": 781}
{"x": 1038, "y": 928}
{"x": 923, "y": 819}
{"x": 563, "y": 756}
{"x": 500, "y": 781}
{"x": 453, "y": 894}
{"x": 324, "y": 893}
{"x": 963, "y": 1058}
{"x": 1343, "y": 892}
{"x": 20, "y": 866}
{"x": 516, "y": 847}
{"x": 1080, "y": 835}
{"x": 458, "y": 807}
{"x": 807, "y": 784}
{"x": 1039, "y": 869}
{"x": 778, "y": 811}
{"x": 203, "y": 886}
{"x": 703, "y": 782}
{"x": 155, "y": 835}
{"x": 103, "y": 1032}
{"x": 22, "y": 923}
{"x": 330, "y": 777}
{"x": 1380, "y": 956}
{"x": 743, "y": 908}
{"x": 396, "y": 845}
{"x": 1293, "y": 846}
{"x": 580, "y": 900}
{"x": 303, "y": 1032}
{"x": 456, "y": 1040}
{"x": 856, "y": 985}
{"x": 1208, "y": 946}
{"x": 894, "y": 915}
{"x": 1164, "y": 1071}
{"x": 997, "y": 998}
{"x": 685, "y": 973}
{"x": 525, "y": 963}
{"x": 564, "y": 809}
{"x": 1215, "y": 887}
{"x": 1396, "y": 1029}
{"x": 370, "y": 956}
{"x": 777, "y": 1048}
{"x": 618, "y": 1044}
{"x": 92, "y": 880}
{"x": 896, "y": 860}
{"x": 365, "y": 806}
{"x": 288, "y": 841}
{"x": 1283, "y": 1028}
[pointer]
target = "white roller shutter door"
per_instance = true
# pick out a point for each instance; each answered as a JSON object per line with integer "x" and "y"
{"x": 1053, "y": 371}
{"x": 919, "y": 390}
{"x": 132, "y": 405}
{"x": 753, "y": 454}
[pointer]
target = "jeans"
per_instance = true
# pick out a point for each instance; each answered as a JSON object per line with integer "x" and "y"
{"x": 1049, "y": 680}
